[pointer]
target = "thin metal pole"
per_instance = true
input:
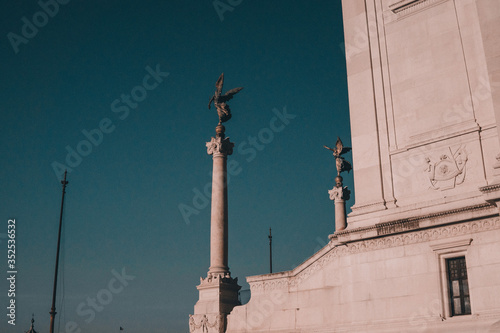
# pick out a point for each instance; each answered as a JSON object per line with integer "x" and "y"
{"x": 53, "y": 309}
{"x": 270, "y": 251}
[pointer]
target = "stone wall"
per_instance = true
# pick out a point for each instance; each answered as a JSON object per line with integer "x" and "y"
{"x": 423, "y": 89}
{"x": 424, "y": 97}
{"x": 393, "y": 283}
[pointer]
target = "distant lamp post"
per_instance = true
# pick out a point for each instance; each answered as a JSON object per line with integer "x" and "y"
{"x": 270, "y": 251}
{"x": 53, "y": 308}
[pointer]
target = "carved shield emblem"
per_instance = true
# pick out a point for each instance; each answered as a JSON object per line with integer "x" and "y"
{"x": 449, "y": 170}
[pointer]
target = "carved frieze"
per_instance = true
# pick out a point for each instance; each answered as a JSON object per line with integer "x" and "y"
{"x": 397, "y": 226}
{"x": 211, "y": 323}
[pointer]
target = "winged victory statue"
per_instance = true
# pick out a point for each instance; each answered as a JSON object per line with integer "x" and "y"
{"x": 340, "y": 162}
{"x": 220, "y": 100}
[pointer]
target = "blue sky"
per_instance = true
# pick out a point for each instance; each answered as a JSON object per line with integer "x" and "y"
{"x": 125, "y": 85}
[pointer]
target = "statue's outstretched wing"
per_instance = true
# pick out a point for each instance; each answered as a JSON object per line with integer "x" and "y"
{"x": 210, "y": 102}
{"x": 340, "y": 147}
{"x": 220, "y": 83}
{"x": 230, "y": 94}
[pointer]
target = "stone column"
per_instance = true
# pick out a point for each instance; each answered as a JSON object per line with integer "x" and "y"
{"x": 218, "y": 292}
{"x": 219, "y": 147}
{"x": 339, "y": 194}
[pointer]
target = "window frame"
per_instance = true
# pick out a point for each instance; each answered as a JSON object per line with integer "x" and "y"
{"x": 451, "y": 250}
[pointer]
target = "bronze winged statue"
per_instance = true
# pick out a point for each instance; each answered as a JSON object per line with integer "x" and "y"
{"x": 340, "y": 162}
{"x": 220, "y": 100}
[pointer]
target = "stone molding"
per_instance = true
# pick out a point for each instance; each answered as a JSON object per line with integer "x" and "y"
{"x": 420, "y": 236}
{"x": 219, "y": 146}
{"x": 440, "y": 246}
{"x": 434, "y": 136}
{"x": 401, "y": 9}
{"x": 490, "y": 188}
{"x": 368, "y": 208}
{"x": 405, "y": 7}
{"x": 491, "y": 194}
{"x": 410, "y": 221}
{"x": 217, "y": 279}
{"x": 275, "y": 284}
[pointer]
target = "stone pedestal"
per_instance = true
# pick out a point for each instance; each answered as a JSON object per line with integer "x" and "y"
{"x": 218, "y": 292}
{"x": 218, "y": 296}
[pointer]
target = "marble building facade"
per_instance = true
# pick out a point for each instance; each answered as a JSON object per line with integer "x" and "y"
{"x": 421, "y": 250}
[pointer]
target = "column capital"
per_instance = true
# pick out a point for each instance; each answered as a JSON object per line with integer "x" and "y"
{"x": 219, "y": 146}
{"x": 338, "y": 193}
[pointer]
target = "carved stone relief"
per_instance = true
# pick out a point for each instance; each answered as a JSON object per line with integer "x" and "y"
{"x": 449, "y": 170}
{"x": 212, "y": 323}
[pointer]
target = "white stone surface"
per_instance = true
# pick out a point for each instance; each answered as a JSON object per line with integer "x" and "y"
{"x": 392, "y": 282}
{"x": 423, "y": 76}
{"x": 424, "y": 96}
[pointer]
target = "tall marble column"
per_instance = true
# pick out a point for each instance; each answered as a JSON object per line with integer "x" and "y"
{"x": 218, "y": 292}
{"x": 219, "y": 147}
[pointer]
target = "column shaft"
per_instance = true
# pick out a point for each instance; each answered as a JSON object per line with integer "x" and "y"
{"x": 219, "y": 217}
{"x": 340, "y": 216}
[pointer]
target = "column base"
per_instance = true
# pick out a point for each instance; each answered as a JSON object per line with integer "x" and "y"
{"x": 218, "y": 296}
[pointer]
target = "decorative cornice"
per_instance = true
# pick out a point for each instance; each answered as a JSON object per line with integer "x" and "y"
{"x": 409, "y": 6}
{"x": 404, "y": 4}
{"x": 401, "y": 9}
{"x": 368, "y": 208}
{"x": 216, "y": 280}
{"x": 411, "y": 223}
{"x": 420, "y": 236}
{"x": 490, "y": 188}
{"x": 453, "y": 244}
